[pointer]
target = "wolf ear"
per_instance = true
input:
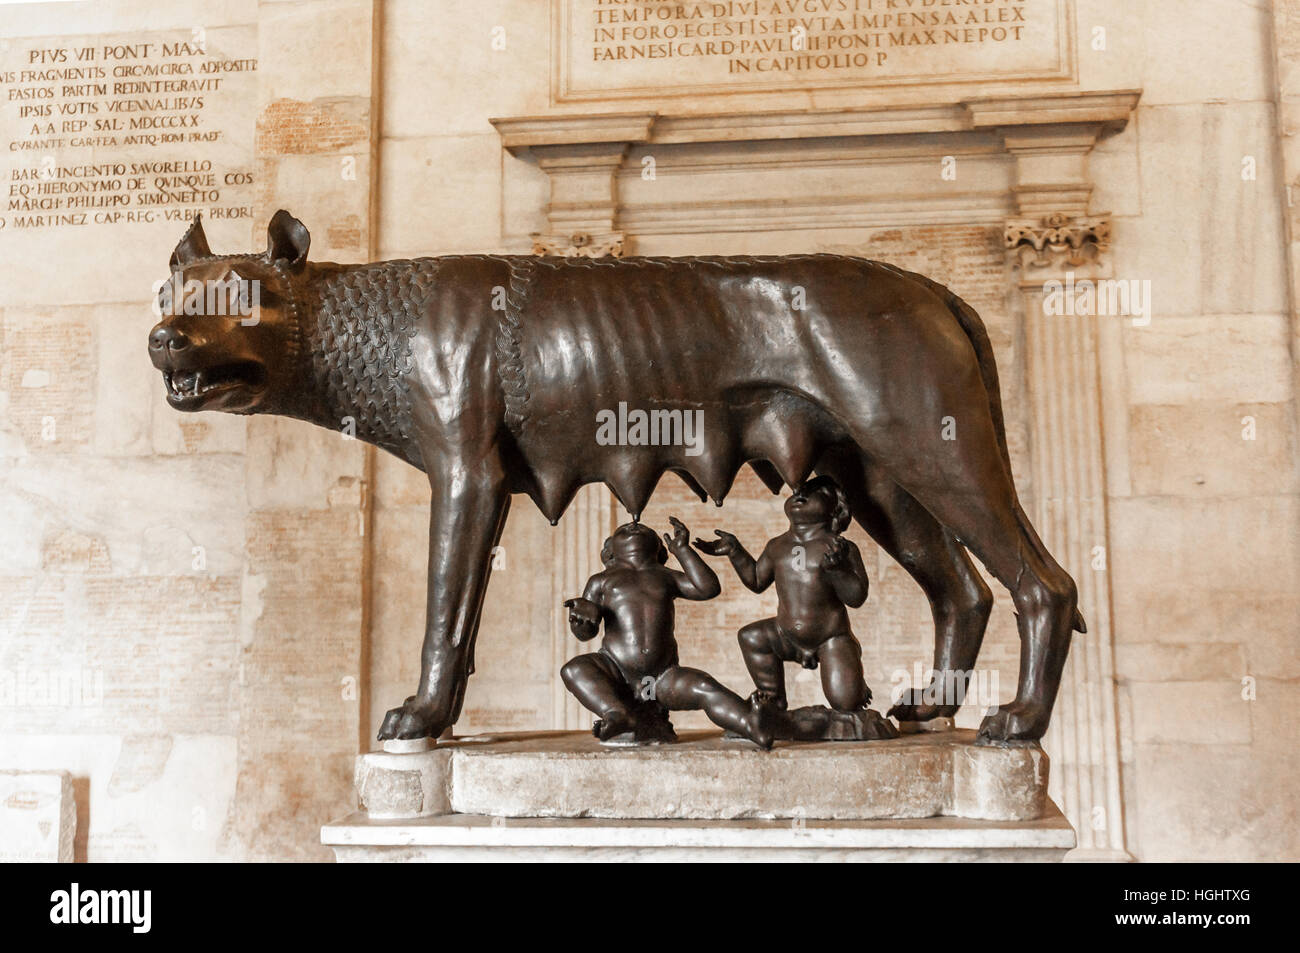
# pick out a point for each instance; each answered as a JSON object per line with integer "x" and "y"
{"x": 287, "y": 240}
{"x": 193, "y": 245}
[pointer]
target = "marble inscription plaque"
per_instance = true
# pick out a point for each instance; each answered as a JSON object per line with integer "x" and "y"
{"x": 611, "y": 49}
{"x": 126, "y": 129}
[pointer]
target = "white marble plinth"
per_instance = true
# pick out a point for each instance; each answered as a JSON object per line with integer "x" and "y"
{"x": 706, "y": 777}
{"x": 459, "y": 838}
{"x": 38, "y": 817}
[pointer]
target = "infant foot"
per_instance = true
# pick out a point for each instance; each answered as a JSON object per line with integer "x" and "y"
{"x": 615, "y": 723}
{"x": 768, "y": 698}
{"x": 761, "y": 721}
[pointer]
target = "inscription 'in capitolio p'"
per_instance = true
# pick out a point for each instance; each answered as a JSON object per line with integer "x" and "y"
{"x": 670, "y": 47}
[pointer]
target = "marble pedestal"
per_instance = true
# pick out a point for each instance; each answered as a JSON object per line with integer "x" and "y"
{"x": 562, "y": 796}
{"x": 460, "y": 838}
{"x": 38, "y": 817}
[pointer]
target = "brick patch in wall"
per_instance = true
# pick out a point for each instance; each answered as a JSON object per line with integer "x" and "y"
{"x": 293, "y": 127}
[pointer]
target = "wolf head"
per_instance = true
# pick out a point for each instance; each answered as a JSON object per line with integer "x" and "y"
{"x": 229, "y": 338}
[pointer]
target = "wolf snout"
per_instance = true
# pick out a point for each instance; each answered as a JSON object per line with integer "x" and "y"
{"x": 165, "y": 341}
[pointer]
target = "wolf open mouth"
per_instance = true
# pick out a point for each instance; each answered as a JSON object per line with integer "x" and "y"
{"x": 199, "y": 383}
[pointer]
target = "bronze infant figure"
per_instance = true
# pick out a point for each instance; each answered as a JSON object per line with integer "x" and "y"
{"x": 635, "y": 679}
{"x": 819, "y": 576}
{"x": 487, "y": 373}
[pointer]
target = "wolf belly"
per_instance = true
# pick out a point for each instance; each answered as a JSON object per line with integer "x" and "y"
{"x": 663, "y": 356}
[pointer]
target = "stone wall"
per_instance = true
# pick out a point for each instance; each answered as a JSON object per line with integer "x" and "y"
{"x": 1200, "y": 446}
{"x": 227, "y": 607}
{"x": 124, "y": 525}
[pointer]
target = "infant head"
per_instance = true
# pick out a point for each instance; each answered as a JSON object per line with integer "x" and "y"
{"x": 634, "y": 543}
{"x": 819, "y": 501}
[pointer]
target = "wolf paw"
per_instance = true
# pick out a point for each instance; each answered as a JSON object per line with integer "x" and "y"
{"x": 1014, "y": 724}
{"x": 918, "y": 704}
{"x": 416, "y": 718}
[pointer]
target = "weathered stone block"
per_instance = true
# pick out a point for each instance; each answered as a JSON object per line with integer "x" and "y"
{"x": 1203, "y": 713}
{"x": 1202, "y": 54}
{"x": 47, "y": 368}
{"x": 393, "y": 785}
{"x": 459, "y": 838}
{"x": 1211, "y": 449}
{"x": 1231, "y": 358}
{"x": 291, "y": 464}
{"x": 1243, "y": 551}
{"x": 1191, "y": 250}
{"x": 443, "y": 171}
{"x": 704, "y": 777}
{"x": 1175, "y": 662}
{"x": 38, "y": 817}
{"x": 473, "y": 76}
{"x": 340, "y": 34}
{"x": 998, "y": 784}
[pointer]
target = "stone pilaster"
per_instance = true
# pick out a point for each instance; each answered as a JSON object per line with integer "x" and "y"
{"x": 584, "y": 200}
{"x": 581, "y": 155}
{"x": 1069, "y": 506}
{"x": 1286, "y": 73}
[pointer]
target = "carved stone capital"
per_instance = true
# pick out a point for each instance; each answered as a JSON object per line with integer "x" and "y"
{"x": 579, "y": 245}
{"x": 1056, "y": 239}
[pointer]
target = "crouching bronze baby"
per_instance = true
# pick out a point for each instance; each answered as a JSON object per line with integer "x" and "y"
{"x": 635, "y": 679}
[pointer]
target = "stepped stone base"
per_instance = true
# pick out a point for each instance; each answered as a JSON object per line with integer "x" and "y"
{"x": 460, "y": 838}
{"x": 705, "y": 777}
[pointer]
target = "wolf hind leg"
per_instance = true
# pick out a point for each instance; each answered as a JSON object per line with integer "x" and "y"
{"x": 962, "y": 481}
{"x": 960, "y": 600}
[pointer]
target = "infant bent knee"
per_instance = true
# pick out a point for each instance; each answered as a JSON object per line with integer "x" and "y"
{"x": 755, "y": 638}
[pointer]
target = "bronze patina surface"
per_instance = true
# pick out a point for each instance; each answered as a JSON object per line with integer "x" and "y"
{"x": 488, "y": 371}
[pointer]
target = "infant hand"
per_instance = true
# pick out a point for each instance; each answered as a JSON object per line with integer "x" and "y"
{"x": 836, "y": 554}
{"x": 724, "y": 545}
{"x": 584, "y": 617}
{"x": 583, "y": 609}
{"x": 681, "y": 535}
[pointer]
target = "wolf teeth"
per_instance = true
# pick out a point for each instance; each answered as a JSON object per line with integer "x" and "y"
{"x": 191, "y": 383}
{"x": 184, "y": 384}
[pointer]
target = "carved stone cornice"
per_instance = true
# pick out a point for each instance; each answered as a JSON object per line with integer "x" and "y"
{"x": 1090, "y": 114}
{"x": 536, "y": 133}
{"x": 1108, "y": 111}
{"x": 579, "y": 245}
{"x": 1057, "y": 239}
{"x": 584, "y": 202}
{"x": 1019, "y": 155}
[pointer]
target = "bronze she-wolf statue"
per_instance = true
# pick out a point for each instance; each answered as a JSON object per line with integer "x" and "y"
{"x": 487, "y": 372}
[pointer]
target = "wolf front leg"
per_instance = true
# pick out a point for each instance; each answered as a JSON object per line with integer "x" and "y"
{"x": 466, "y": 517}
